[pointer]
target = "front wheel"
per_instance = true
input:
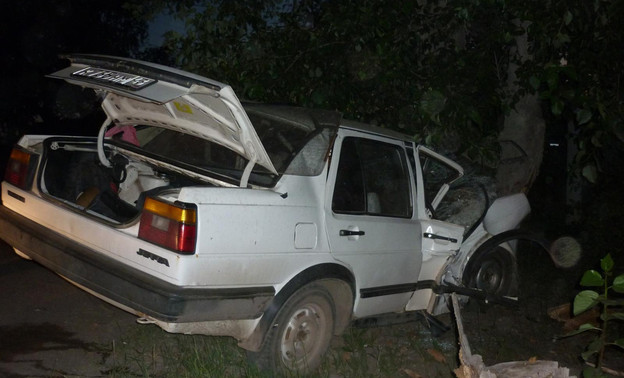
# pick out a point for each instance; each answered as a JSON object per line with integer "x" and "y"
{"x": 300, "y": 334}
{"x": 494, "y": 272}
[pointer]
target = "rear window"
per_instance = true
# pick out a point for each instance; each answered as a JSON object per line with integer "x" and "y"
{"x": 294, "y": 138}
{"x": 188, "y": 149}
{"x": 294, "y": 147}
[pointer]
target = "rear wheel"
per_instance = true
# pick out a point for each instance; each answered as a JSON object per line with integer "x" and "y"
{"x": 300, "y": 334}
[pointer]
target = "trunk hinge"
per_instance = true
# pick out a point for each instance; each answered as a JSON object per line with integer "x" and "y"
{"x": 247, "y": 173}
{"x": 100, "y": 143}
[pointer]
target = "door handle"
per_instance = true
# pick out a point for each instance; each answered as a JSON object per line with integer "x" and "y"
{"x": 429, "y": 235}
{"x": 351, "y": 233}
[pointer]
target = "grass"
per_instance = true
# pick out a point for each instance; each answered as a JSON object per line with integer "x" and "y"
{"x": 406, "y": 350}
{"x": 151, "y": 352}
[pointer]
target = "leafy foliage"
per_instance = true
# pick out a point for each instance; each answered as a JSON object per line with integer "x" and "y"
{"x": 577, "y": 70}
{"x": 437, "y": 70}
{"x": 429, "y": 69}
{"x": 588, "y": 299}
{"x": 434, "y": 69}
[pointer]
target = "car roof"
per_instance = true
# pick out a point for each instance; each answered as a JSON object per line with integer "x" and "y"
{"x": 376, "y": 130}
{"x": 311, "y": 118}
{"x": 300, "y": 117}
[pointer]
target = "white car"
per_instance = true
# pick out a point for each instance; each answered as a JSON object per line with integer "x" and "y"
{"x": 276, "y": 225}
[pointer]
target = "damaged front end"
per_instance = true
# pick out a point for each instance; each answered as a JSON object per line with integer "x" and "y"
{"x": 485, "y": 267}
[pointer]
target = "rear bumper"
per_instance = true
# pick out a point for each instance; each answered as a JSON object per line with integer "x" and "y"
{"x": 128, "y": 286}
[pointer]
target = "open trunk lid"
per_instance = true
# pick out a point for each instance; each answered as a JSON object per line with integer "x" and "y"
{"x": 147, "y": 93}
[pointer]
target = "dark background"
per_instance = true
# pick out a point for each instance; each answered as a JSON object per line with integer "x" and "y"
{"x": 33, "y": 34}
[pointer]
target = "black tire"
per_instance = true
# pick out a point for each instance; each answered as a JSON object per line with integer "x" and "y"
{"x": 300, "y": 334}
{"x": 494, "y": 272}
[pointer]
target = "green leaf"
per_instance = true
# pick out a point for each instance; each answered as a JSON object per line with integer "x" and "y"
{"x": 619, "y": 342}
{"x": 567, "y": 17}
{"x": 588, "y": 354}
{"x": 592, "y": 278}
{"x": 557, "y": 107}
{"x": 606, "y": 263}
{"x": 583, "y": 116}
{"x": 561, "y": 39}
{"x": 592, "y": 372}
{"x": 590, "y": 173}
{"x": 552, "y": 79}
{"x": 534, "y": 82}
{"x": 612, "y": 302}
{"x": 256, "y": 92}
{"x": 317, "y": 97}
{"x": 594, "y": 346}
{"x": 582, "y": 328}
{"x": 585, "y": 300}
{"x": 475, "y": 117}
{"x": 462, "y": 13}
{"x": 595, "y": 140}
{"x": 432, "y": 103}
{"x": 428, "y": 140}
{"x": 588, "y": 327}
{"x": 618, "y": 284}
{"x": 616, "y": 316}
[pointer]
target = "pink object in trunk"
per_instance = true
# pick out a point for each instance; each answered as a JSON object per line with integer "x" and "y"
{"x": 129, "y": 133}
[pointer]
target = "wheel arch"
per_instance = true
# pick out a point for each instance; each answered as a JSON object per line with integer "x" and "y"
{"x": 337, "y": 279}
{"x": 496, "y": 243}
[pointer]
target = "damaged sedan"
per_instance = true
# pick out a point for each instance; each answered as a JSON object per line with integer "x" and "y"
{"x": 276, "y": 225}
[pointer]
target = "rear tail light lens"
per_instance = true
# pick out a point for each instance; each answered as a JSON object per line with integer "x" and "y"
{"x": 169, "y": 225}
{"x": 20, "y": 168}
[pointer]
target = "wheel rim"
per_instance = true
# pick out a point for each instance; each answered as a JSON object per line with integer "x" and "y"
{"x": 491, "y": 276}
{"x": 303, "y": 334}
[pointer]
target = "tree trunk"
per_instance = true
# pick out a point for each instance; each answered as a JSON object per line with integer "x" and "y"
{"x": 522, "y": 143}
{"x": 522, "y": 137}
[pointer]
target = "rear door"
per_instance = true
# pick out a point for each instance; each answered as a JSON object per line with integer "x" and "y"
{"x": 371, "y": 222}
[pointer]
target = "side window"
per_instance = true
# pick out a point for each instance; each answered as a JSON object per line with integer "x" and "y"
{"x": 372, "y": 179}
{"x": 349, "y": 192}
{"x": 435, "y": 175}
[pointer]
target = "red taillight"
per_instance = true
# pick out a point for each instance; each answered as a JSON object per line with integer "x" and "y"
{"x": 170, "y": 225}
{"x": 18, "y": 171}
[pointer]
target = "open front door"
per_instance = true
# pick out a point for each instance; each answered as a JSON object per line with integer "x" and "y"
{"x": 439, "y": 240}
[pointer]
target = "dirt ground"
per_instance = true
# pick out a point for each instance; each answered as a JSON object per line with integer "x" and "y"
{"x": 501, "y": 333}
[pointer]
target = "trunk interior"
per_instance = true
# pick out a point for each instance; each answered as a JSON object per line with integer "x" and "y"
{"x": 73, "y": 174}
